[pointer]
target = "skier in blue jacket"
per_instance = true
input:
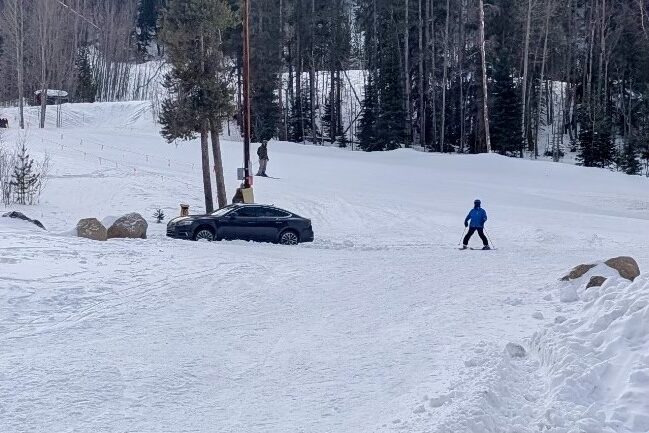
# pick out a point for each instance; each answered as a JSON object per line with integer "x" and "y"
{"x": 475, "y": 221}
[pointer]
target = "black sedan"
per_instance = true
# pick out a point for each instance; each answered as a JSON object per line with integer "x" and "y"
{"x": 250, "y": 222}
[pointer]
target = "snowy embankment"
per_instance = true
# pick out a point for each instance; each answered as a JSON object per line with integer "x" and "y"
{"x": 379, "y": 325}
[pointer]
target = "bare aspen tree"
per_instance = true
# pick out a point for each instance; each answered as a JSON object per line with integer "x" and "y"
{"x": 445, "y": 59}
{"x": 312, "y": 77}
{"x": 406, "y": 72}
{"x": 43, "y": 14}
{"x": 526, "y": 59}
{"x": 548, "y": 13}
{"x": 15, "y": 21}
{"x": 483, "y": 56}
{"x": 422, "y": 108}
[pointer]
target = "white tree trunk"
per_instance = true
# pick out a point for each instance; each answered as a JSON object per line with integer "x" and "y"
{"x": 483, "y": 56}
{"x": 445, "y": 74}
{"x": 526, "y": 54}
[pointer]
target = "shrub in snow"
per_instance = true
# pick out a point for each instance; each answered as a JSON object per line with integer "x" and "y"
{"x": 22, "y": 179}
{"x": 159, "y": 215}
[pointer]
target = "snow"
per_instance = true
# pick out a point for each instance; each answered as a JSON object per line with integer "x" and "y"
{"x": 380, "y": 325}
{"x": 53, "y": 92}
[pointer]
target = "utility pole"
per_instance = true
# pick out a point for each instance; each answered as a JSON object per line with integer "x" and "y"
{"x": 246, "y": 93}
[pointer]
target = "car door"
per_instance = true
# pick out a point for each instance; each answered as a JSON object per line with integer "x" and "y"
{"x": 244, "y": 224}
{"x": 273, "y": 221}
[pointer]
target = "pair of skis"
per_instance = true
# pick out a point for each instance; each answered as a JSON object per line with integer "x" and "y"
{"x": 476, "y": 249}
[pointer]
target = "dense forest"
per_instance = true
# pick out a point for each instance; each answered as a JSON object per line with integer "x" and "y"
{"x": 517, "y": 77}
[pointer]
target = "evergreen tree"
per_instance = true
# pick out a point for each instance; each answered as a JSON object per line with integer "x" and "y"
{"x": 596, "y": 148}
{"x": 299, "y": 125}
{"x": 628, "y": 158}
{"x": 86, "y": 86}
{"x": 147, "y": 22}
{"x": 368, "y": 122}
{"x": 199, "y": 94}
{"x": 24, "y": 180}
{"x": 505, "y": 122}
{"x": 391, "y": 111}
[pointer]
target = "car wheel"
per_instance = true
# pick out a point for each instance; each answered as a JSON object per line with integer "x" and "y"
{"x": 289, "y": 237}
{"x": 204, "y": 234}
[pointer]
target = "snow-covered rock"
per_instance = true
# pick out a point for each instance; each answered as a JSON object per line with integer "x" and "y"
{"x": 91, "y": 228}
{"x": 21, "y": 216}
{"x": 627, "y": 267}
{"x": 597, "y": 362}
{"x": 132, "y": 226}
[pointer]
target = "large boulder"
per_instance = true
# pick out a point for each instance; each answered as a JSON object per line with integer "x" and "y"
{"x": 131, "y": 226}
{"x": 627, "y": 267}
{"x": 91, "y": 228}
{"x": 22, "y": 216}
{"x": 577, "y": 272}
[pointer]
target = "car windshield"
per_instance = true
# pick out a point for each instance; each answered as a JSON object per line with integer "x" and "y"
{"x": 224, "y": 210}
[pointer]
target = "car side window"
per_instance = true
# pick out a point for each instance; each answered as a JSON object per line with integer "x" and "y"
{"x": 274, "y": 213}
{"x": 250, "y": 212}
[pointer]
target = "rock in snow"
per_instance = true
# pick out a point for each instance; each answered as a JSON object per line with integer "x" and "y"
{"x": 515, "y": 350}
{"x": 596, "y": 281}
{"x": 129, "y": 226}
{"x": 22, "y": 216}
{"x": 91, "y": 228}
{"x": 577, "y": 272}
{"x": 627, "y": 267}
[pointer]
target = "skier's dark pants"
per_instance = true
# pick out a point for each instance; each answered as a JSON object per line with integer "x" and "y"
{"x": 480, "y": 231}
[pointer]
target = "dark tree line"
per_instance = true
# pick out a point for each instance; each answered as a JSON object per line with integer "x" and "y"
{"x": 518, "y": 77}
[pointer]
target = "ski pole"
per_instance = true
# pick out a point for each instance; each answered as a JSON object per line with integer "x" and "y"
{"x": 462, "y": 238}
{"x": 489, "y": 239}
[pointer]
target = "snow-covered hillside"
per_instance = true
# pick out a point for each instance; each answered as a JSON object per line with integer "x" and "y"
{"x": 382, "y": 324}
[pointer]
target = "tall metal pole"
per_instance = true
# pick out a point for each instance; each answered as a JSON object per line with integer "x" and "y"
{"x": 246, "y": 92}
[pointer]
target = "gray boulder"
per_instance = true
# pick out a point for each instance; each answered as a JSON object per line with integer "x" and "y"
{"x": 91, "y": 228}
{"x": 22, "y": 216}
{"x": 131, "y": 226}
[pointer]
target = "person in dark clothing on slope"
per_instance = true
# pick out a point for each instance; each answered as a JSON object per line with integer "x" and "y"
{"x": 262, "y": 153}
{"x": 475, "y": 221}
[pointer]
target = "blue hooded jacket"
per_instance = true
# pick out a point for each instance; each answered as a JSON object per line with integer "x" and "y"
{"x": 477, "y": 216}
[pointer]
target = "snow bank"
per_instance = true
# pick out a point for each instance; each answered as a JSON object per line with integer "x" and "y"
{"x": 597, "y": 362}
{"x": 586, "y": 373}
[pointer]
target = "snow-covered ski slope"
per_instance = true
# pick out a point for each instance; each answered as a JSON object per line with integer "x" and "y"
{"x": 380, "y": 325}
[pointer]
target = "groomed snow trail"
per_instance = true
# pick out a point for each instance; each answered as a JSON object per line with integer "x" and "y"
{"x": 379, "y": 325}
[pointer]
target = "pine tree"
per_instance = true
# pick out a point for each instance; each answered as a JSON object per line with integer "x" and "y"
{"x": 596, "y": 148}
{"x": 368, "y": 122}
{"x": 505, "y": 114}
{"x": 86, "y": 86}
{"x": 199, "y": 94}
{"x": 299, "y": 117}
{"x": 391, "y": 109}
{"x": 629, "y": 156}
{"x": 147, "y": 22}
{"x": 24, "y": 180}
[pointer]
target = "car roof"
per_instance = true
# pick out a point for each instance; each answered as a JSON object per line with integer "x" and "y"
{"x": 255, "y": 204}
